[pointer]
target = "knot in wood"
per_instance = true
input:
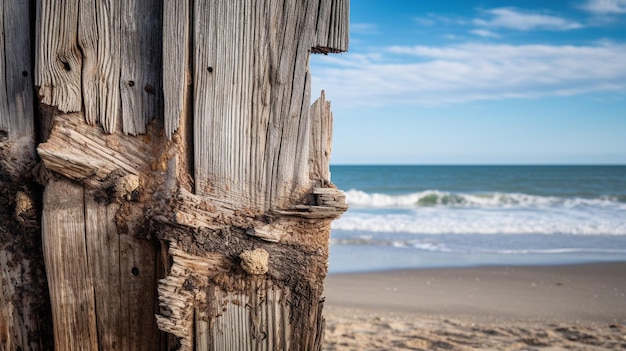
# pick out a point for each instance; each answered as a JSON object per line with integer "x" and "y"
{"x": 255, "y": 261}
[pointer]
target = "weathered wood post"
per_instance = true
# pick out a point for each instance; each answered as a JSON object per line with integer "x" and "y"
{"x": 186, "y": 176}
{"x": 24, "y": 307}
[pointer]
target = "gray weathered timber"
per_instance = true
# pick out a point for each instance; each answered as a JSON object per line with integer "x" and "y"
{"x": 252, "y": 93}
{"x": 24, "y": 307}
{"x": 96, "y": 156}
{"x": 260, "y": 176}
{"x": 71, "y": 285}
{"x": 99, "y": 40}
{"x": 16, "y": 87}
{"x": 176, "y": 62}
{"x": 58, "y": 59}
{"x": 321, "y": 147}
{"x": 102, "y": 54}
{"x": 141, "y": 88}
{"x": 119, "y": 85}
{"x": 187, "y": 200}
{"x": 123, "y": 272}
{"x": 110, "y": 174}
{"x": 332, "y": 27}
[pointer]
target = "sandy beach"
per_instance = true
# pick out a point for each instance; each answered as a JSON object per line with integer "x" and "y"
{"x": 572, "y": 307}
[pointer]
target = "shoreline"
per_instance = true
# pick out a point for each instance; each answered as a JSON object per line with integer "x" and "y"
{"x": 574, "y": 306}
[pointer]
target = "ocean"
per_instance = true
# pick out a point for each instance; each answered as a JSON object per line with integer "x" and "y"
{"x": 455, "y": 216}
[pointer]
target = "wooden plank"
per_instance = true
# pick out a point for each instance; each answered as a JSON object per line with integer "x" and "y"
{"x": 16, "y": 87}
{"x": 261, "y": 176}
{"x": 176, "y": 62}
{"x": 141, "y": 63}
{"x": 103, "y": 250}
{"x": 100, "y": 40}
{"x": 332, "y": 27}
{"x": 321, "y": 141}
{"x": 250, "y": 321}
{"x": 259, "y": 155}
{"x": 58, "y": 64}
{"x": 121, "y": 75}
{"x": 4, "y": 101}
{"x": 214, "y": 84}
{"x": 92, "y": 73}
{"x": 124, "y": 274}
{"x": 138, "y": 291}
{"x": 25, "y": 317}
{"x": 67, "y": 267}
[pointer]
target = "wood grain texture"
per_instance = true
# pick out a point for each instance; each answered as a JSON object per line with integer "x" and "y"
{"x": 223, "y": 312}
{"x": 177, "y": 24}
{"x": 58, "y": 57}
{"x": 332, "y": 27}
{"x": 83, "y": 152}
{"x": 321, "y": 142}
{"x": 240, "y": 162}
{"x": 16, "y": 82}
{"x": 25, "y": 316}
{"x": 141, "y": 75}
{"x": 108, "y": 284}
{"x": 179, "y": 294}
{"x": 261, "y": 178}
{"x": 251, "y": 98}
{"x": 103, "y": 248}
{"x": 257, "y": 321}
{"x": 138, "y": 292}
{"x": 67, "y": 267}
{"x": 103, "y": 54}
{"x": 100, "y": 39}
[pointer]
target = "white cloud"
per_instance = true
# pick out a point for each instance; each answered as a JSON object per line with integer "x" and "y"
{"x": 426, "y": 75}
{"x": 484, "y": 33}
{"x": 363, "y": 28}
{"x": 432, "y": 18}
{"x": 510, "y": 18}
{"x": 605, "y": 7}
{"x": 424, "y": 21}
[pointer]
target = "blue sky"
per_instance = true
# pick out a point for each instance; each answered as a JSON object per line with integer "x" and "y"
{"x": 479, "y": 82}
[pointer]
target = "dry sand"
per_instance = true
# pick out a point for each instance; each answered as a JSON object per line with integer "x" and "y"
{"x": 576, "y": 307}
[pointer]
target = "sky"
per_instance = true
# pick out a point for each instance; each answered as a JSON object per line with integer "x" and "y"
{"x": 479, "y": 82}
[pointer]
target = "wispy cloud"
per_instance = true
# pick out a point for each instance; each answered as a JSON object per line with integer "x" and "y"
{"x": 427, "y": 75}
{"x": 432, "y": 18}
{"x": 484, "y": 33}
{"x": 424, "y": 21}
{"x": 604, "y": 7}
{"x": 511, "y": 18}
{"x": 363, "y": 28}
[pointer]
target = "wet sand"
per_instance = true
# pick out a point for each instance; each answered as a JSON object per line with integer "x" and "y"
{"x": 574, "y": 307}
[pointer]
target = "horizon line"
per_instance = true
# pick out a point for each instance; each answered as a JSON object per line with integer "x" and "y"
{"x": 483, "y": 164}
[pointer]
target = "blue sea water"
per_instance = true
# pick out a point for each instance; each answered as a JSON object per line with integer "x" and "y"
{"x": 450, "y": 216}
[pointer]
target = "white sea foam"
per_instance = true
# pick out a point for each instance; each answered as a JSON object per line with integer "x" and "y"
{"x": 559, "y": 220}
{"x": 435, "y": 198}
{"x": 442, "y": 247}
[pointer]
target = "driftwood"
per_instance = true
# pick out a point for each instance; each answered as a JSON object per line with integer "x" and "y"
{"x": 187, "y": 199}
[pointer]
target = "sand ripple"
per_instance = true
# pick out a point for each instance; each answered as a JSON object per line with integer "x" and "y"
{"x": 348, "y": 330}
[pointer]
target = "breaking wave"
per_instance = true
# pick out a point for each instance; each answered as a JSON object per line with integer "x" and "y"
{"x": 435, "y": 198}
{"x": 483, "y": 222}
